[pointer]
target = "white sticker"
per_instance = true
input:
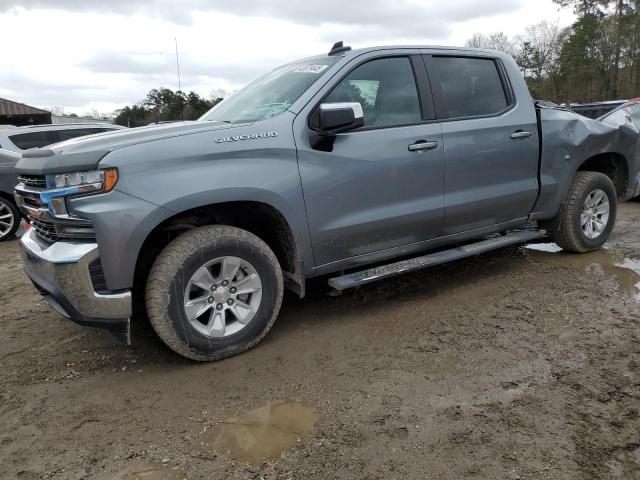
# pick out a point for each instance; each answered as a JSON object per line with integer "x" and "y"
{"x": 309, "y": 68}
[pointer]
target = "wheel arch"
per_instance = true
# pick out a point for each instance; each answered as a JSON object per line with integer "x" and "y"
{"x": 613, "y": 165}
{"x": 7, "y": 196}
{"x": 261, "y": 218}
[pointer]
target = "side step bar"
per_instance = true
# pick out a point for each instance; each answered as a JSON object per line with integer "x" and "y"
{"x": 385, "y": 271}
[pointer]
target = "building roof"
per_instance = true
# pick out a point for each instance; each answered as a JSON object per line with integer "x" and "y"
{"x": 7, "y": 107}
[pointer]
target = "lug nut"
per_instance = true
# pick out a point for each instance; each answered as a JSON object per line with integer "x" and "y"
{"x": 210, "y": 299}
{"x": 233, "y": 289}
{"x": 225, "y": 283}
{"x": 219, "y": 307}
{"x": 230, "y": 301}
{"x": 213, "y": 287}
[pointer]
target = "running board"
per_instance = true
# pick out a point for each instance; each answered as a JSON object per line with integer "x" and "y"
{"x": 385, "y": 271}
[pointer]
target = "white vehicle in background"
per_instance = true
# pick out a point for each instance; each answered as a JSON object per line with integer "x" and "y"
{"x": 13, "y": 141}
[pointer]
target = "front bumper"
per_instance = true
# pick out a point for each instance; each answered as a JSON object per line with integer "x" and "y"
{"x": 60, "y": 272}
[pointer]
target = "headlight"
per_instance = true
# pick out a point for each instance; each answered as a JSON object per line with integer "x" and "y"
{"x": 86, "y": 182}
{"x": 65, "y": 185}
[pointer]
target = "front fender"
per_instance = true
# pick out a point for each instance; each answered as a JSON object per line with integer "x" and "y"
{"x": 123, "y": 223}
{"x": 172, "y": 175}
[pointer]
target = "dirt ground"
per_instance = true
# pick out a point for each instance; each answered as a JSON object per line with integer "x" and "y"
{"x": 517, "y": 364}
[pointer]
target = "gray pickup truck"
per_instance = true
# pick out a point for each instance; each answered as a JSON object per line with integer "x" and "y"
{"x": 355, "y": 165}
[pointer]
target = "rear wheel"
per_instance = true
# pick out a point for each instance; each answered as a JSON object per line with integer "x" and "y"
{"x": 9, "y": 219}
{"x": 214, "y": 292}
{"x": 588, "y": 214}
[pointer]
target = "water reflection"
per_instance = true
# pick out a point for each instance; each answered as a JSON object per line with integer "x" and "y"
{"x": 624, "y": 271}
{"x": 262, "y": 433}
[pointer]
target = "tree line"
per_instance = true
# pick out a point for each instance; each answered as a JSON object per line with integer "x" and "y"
{"x": 596, "y": 58}
{"x": 164, "y": 105}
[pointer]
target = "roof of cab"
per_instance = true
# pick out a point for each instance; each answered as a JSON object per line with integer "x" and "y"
{"x": 345, "y": 54}
{"x": 359, "y": 51}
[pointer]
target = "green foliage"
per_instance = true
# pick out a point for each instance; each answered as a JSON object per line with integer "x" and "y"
{"x": 163, "y": 105}
{"x": 597, "y": 58}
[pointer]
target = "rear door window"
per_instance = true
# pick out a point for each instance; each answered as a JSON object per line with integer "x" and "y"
{"x": 470, "y": 87}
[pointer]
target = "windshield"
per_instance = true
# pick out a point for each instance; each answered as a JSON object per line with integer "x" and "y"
{"x": 270, "y": 94}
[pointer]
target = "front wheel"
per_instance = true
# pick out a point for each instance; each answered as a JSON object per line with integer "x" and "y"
{"x": 214, "y": 292}
{"x": 588, "y": 215}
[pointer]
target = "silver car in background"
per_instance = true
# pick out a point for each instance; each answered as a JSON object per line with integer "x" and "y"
{"x": 13, "y": 141}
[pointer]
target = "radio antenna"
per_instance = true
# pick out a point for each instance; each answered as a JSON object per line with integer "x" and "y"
{"x": 179, "y": 82}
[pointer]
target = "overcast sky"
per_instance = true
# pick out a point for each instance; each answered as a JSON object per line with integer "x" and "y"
{"x": 104, "y": 54}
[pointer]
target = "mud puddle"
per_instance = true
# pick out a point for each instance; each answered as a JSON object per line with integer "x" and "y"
{"x": 265, "y": 432}
{"x": 624, "y": 271}
{"x": 143, "y": 471}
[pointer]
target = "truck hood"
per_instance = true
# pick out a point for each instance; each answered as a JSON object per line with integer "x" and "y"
{"x": 84, "y": 153}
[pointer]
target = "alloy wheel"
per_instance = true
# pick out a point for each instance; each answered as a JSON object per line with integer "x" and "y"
{"x": 223, "y": 296}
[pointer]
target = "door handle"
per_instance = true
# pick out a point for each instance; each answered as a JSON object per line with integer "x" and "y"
{"x": 520, "y": 135}
{"x": 422, "y": 145}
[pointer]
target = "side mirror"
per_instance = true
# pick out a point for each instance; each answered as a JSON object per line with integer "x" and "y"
{"x": 336, "y": 118}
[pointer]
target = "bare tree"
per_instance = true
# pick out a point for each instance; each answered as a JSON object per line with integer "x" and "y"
{"x": 495, "y": 41}
{"x": 57, "y": 111}
{"x": 539, "y": 49}
{"x": 96, "y": 115}
{"x": 218, "y": 94}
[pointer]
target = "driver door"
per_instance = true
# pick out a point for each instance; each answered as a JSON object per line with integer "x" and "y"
{"x": 381, "y": 186}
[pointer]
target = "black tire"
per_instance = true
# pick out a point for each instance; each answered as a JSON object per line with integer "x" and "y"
{"x": 9, "y": 206}
{"x": 566, "y": 227}
{"x": 169, "y": 277}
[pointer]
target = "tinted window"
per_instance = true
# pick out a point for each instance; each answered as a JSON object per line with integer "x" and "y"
{"x": 25, "y": 141}
{"x": 471, "y": 86}
{"x": 78, "y": 132}
{"x": 386, "y": 89}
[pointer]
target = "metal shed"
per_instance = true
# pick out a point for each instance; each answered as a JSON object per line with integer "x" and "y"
{"x": 19, "y": 114}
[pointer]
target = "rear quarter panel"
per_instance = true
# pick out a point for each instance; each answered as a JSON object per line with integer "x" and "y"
{"x": 568, "y": 139}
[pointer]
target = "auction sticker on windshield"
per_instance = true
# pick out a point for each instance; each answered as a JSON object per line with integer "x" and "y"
{"x": 309, "y": 68}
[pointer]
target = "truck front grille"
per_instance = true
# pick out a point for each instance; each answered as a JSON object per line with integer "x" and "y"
{"x": 33, "y": 181}
{"x": 45, "y": 230}
{"x": 29, "y": 195}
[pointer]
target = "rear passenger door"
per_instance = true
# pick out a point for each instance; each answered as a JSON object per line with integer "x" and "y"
{"x": 491, "y": 142}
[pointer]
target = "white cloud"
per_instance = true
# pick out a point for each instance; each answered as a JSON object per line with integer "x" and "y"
{"x": 85, "y": 53}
